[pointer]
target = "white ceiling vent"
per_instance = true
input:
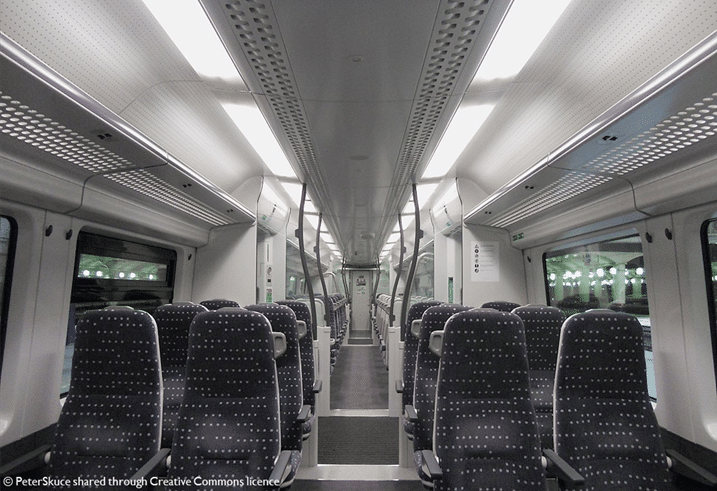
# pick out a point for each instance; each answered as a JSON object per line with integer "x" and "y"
{"x": 27, "y": 125}
{"x": 143, "y": 182}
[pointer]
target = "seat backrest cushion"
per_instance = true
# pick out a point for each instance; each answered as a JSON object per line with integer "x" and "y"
{"x": 424, "y": 391}
{"x": 486, "y": 434}
{"x": 410, "y": 347}
{"x": 218, "y": 303}
{"x": 604, "y": 423}
{"x": 500, "y": 305}
{"x": 173, "y": 321}
{"x": 111, "y": 421}
{"x": 306, "y": 349}
{"x": 288, "y": 368}
{"x": 228, "y": 425}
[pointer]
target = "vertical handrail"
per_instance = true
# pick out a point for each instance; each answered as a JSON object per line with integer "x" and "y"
{"x": 412, "y": 269}
{"x": 307, "y": 276}
{"x": 391, "y": 317}
{"x": 321, "y": 271}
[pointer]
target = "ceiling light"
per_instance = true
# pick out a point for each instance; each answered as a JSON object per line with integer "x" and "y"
{"x": 463, "y": 127}
{"x": 254, "y": 127}
{"x": 528, "y": 22}
{"x": 425, "y": 191}
{"x": 294, "y": 191}
{"x": 188, "y": 26}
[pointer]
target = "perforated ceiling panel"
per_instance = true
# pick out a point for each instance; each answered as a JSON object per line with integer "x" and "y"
{"x": 119, "y": 54}
{"x": 596, "y": 54}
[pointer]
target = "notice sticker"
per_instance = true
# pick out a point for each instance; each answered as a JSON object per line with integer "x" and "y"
{"x": 486, "y": 261}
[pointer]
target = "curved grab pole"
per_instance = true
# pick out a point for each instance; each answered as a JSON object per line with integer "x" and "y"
{"x": 300, "y": 235}
{"x": 321, "y": 271}
{"x": 412, "y": 269}
{"x": 349, "y": 295}
{"x": 375, "y": 285}
{"x": 391, "y": 317}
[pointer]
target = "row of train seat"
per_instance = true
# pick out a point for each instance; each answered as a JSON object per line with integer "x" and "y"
{"x": 487, "y": 384}
{"x": 334, "y": 311}
{"x": 225, "y": 372}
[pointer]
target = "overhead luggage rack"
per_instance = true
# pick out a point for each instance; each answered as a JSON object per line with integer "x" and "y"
{"x": 67, "y": 134}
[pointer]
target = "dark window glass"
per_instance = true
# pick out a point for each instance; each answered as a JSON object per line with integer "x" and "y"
{"x": 8, "y": 241}
{"x": 607, "y": 274}
{"x": 111, "y": 271}
{"x": 709, "y": 249}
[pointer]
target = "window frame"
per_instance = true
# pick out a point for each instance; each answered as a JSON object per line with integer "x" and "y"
{"x": 7, "y": 286}
{"x": 709, "y": 286}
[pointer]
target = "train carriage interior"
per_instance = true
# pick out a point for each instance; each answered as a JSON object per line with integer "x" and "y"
{"x": 485, "y": 230}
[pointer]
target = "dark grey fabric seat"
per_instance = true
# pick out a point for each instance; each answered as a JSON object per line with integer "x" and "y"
{"x": 500, "y": 305}
{"x": 229, "y": 422}
{"x": 409, "y": 359}
{"x": 218, "y": 303}
{"x": 288, "y": 369}
{"x": 110, "y": 424}
{"x": 542, "y": 336}
{"x": 486, "y": 434}
{"x": 173, "y": 321}
{"x": 306, "y": 350}
{"x": 424, "y": 391}
{"x": 604, "y": 423}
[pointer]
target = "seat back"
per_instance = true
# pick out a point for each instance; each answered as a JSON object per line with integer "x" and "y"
{"x": 228, "y": 425}
{"x": 500, "y": 305}
{"x": 604, "y": 423}
{"x": 218, "y": 303}
{"x": 424, "y": 390}
{"x": 110, "y": 424}
{"x": 542, "y": 336}
{"x": 173, "y": 321}
{"x": 486, "y": 434}
{"x": 288, "y": 368}
{"x": 410, "y": 347}
{"x": 306, "y": 350}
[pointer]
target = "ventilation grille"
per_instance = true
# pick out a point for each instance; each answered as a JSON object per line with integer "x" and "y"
{"x": 692, "y": 125}
{"x": 19, "y": 121}
{"x": 568, "y": 186}
{"x": 454, "y": 35}
{"x": 27, "y": 125}
{"x": 143, "y": 182}
{"x": 255, "y": 29}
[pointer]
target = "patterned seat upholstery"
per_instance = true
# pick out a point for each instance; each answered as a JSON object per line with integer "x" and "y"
{"x": 542, "y": 336}
{"x": 486, "y": 434}
{"x": 218, "y": 303}
{"x": 173, "y": 321}
{"x": 424, "y": 390}
{"x": 409, "y": 358}
{"x": 500, "y": 305}
{"x": 228, "y": 426}
{"x": 288, "y": 369}
{"x": 306, "y": 350}
{"x": 604, "y": 423}
{"x": 110, "y": 424}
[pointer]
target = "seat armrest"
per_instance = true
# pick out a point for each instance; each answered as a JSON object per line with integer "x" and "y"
{"x": 24, "y": 463}
{"x": 318, "y": 384}
{"x": 399, "y": 386}
{"x": 430, "y": 465}
{"x": 411, "y": 414}
{"x": 282, "y": 468}
{"x": 685, "y": 467}
{"x": 156, "y": 466}
{"x": 557, "y": 467}
{"x": 304, "y": 414}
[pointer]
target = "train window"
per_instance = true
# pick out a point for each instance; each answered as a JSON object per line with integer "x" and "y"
{"x": 111, "y": 271}
{"x": 709, "y": 248}
{"x": 608, "y": 274}
{"x": 8, "y": 240}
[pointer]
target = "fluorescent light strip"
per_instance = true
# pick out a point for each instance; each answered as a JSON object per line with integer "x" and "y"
{"x": 254, "y": 127}
{"x": 529, "y": 22}
{"x": 188, "y": 26}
